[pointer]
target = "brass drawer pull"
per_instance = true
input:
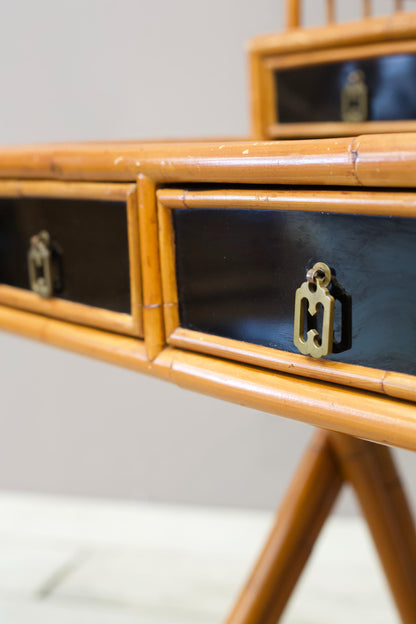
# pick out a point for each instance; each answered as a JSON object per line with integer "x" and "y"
{"x": 40, "y": 265}
{"x": 354, "y": 98}
{"x": 320, "y": 291}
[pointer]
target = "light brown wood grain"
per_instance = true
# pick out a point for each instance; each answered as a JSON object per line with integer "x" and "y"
{"x": 346, "y": 374}
{"x": 367, "y": 148}
{"x": 330, "y": 11}
{"x": 257, "y": 101}
{"x": 168, "y": 269}
{"x": 331, "y": 460}
{"x": 125, "y": 351}
{"x": 293, "y": 13}
{"x": 257, "y": 162}
{"x": 154, "y": 335}
{"x": 361, "y": 414}
{"x": 66, "y": 190}
{"x": 366, "y": 8}
{"x": 398, "y": 203}
{"x": 301, "y": 516}
{"x": 268, "y": 98}
{"x": 335, "y": 128}
{"x": 328, "y": 162}
{"x": 374, "y": 478}
{"x": 399, "y": 385}
{"x": 135, "y": 262}
{"x": 68, "y": 310}
{"x": 318, "y": 57}
{"x": 327, "y": 406}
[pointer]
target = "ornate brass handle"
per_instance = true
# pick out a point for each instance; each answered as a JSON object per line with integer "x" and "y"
{"x": 354, "y": 98}
{"x": 44, "y": 264}
{"x": 320, "y": 291}
{"x": 40, "y": 264}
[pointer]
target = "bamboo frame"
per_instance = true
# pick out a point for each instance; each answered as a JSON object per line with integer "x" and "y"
{"x": 387, "y": 204}
{"x": 336, "y": 43}
{"x": 385, "y": 160}
{"x": 327, "y": 406}
{"x": 154, "y": 334}
{"x": 331, "y": 460}
{"x": 301, "y": 516}
{"x": 130, "y": 324}
{"x": 376, "y": 415}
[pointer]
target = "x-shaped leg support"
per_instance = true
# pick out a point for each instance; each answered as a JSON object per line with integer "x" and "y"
{"x": 330, "y": 461}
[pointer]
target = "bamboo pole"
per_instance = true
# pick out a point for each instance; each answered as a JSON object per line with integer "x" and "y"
{"x": 305, "y": 508}
{"x": 293, "y": 13}
{"x": 371, "y": 472}
{"x": 152, "y": 289}
{"x": 330, "y": 11}
{"x": 366, "y": 8}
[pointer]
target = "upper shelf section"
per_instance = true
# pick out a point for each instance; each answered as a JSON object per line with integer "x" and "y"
{"x": 336, "y": 80}
{"x": 371, "y": 161}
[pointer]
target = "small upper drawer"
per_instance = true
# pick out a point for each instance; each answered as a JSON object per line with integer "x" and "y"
{"x": 373, "y": 89}
{"x": 318, "y": 84}
{"x": 233, "y": 260}
{"x": 71, "y": 251}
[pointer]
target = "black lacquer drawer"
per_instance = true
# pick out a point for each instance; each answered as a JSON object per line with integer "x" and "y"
{"x": 314, "y": 93}
{"x": 238, "y": 257}
{"x": 92, "y": 232}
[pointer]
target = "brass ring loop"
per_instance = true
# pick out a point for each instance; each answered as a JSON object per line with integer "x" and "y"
{"x": 321, "y": 273}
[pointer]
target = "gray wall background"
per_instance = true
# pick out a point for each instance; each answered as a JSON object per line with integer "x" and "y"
{"x": 89, "y": 69}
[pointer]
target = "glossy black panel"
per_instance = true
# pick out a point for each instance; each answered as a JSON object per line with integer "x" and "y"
{"x": 92, "y": 236}
{"x": 313, "y": 93}
{"x": 238, "y": 271}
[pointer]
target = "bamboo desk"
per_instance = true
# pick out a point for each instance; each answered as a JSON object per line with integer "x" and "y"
{"x": 164, "y": 185}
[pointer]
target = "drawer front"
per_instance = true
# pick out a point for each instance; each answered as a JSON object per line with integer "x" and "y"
{"x": 314, "y": 93}
{"x": 238, "y": 263}
{"x": 90, "y": 240}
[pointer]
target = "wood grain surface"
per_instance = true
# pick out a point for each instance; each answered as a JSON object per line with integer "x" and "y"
{"x": 386, "y": 160}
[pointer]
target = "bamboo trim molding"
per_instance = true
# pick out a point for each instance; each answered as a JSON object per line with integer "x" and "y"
{"x": 136, "y": 295}
{"x": 68, "y": 310}
{"x": 385, "y": 160}
{"x": 154, "y": 333}
{"x": 131, "y": 324}
{"x": 393, "y": 384}
{"x": 360, "y": 414}
{"x": 385, "y": 28}
{"x": 331, "y": 128}
{"x": 317, "y": 57}
{"x": 398, "y": 204}
{"x": 66, "y": 190}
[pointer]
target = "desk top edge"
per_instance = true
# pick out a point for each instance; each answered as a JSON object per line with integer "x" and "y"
{"x": 384, "y": 160}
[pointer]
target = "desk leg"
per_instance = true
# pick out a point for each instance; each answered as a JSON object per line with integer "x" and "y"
{"x": 331, "y": 460}
{"x": 371, "y": 471}
{"x": 305, "y": 508}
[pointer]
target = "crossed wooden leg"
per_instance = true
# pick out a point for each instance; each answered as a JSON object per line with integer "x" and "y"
{"x": 331, "y": 460}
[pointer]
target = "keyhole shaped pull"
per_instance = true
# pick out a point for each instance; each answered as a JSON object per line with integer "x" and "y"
{"x": 354, "y": 98}
{"x": 310, "y": 297}
{"x": 40, "y": 264}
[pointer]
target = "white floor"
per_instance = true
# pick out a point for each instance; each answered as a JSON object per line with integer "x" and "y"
{"x": 66, "y": 560}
